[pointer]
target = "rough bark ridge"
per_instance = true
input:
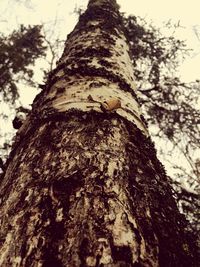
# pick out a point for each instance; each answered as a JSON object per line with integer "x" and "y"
{"x": 83, "y": 186}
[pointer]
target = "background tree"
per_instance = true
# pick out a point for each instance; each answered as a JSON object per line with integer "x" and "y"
{"x": 173, "y": 109}
{"x": 18, "y": 52}
{"x": 83, "y": 186}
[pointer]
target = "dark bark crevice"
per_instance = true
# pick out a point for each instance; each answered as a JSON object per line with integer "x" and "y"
{"x": 85, "y": 188}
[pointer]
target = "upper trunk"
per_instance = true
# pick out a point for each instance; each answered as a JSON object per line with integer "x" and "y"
{"x": 83, "y": 186}
{"x": 96, "y": 50}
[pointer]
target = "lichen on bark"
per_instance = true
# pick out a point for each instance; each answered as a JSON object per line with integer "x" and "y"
{"x": 83, "y": 185}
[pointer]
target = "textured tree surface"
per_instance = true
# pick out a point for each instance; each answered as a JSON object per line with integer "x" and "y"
{"x": 83, "y": 186}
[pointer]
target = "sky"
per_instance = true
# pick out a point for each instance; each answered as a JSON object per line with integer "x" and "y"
{"x": 186, "y": 13}
{"x": 61, "y": 13}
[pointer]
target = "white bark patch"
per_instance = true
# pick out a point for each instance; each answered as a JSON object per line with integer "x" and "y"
{"x": 51, "y": 194}
{"x": 142, "y": 249}
{"x": 123, "y": 234}
{"x": 60, "y": 74}
{"x": 90, "y": 261}
{"x": 79, "y": 96}
{"x": 93, "y": 23}
{"x": 120, "y": 219}
{"x": 112, "y": 165}
{"x": 17, "y": 262}
{"x": 33, "y": 220}
{"x": 59, "y": 215}
{"x": 32, "y": 243}
{"x": 124, "y": 67}
{"x": 23, "y": 178}
{"x": 76, "y": 90}
{"x": 114, "y": 188}
{"x": 5, "y": 248}
{"x": 120, "y": 59}
{"x": 104, "y": 251}
{"x": 148, "y": 213}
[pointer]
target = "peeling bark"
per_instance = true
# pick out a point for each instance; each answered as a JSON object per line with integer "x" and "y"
{"x": 83, "y": 185}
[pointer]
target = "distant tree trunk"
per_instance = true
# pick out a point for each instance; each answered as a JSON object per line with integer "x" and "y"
{"x": 83, "y": 185}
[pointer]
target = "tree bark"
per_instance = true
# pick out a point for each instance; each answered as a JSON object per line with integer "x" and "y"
{"x": 83, "y": 185}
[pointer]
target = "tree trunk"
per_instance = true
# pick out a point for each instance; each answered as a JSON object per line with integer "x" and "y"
{"x": 83, "y": 185}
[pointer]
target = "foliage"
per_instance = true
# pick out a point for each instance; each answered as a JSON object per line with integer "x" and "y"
{"x": 170, "y": 105}
{"x": 18, "y": 52}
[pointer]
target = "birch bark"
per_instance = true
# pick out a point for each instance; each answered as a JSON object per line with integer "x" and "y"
{"x": 83, "y": 185}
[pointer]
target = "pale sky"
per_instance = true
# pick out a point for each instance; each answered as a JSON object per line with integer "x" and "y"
{"x": 38, "y": 11}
